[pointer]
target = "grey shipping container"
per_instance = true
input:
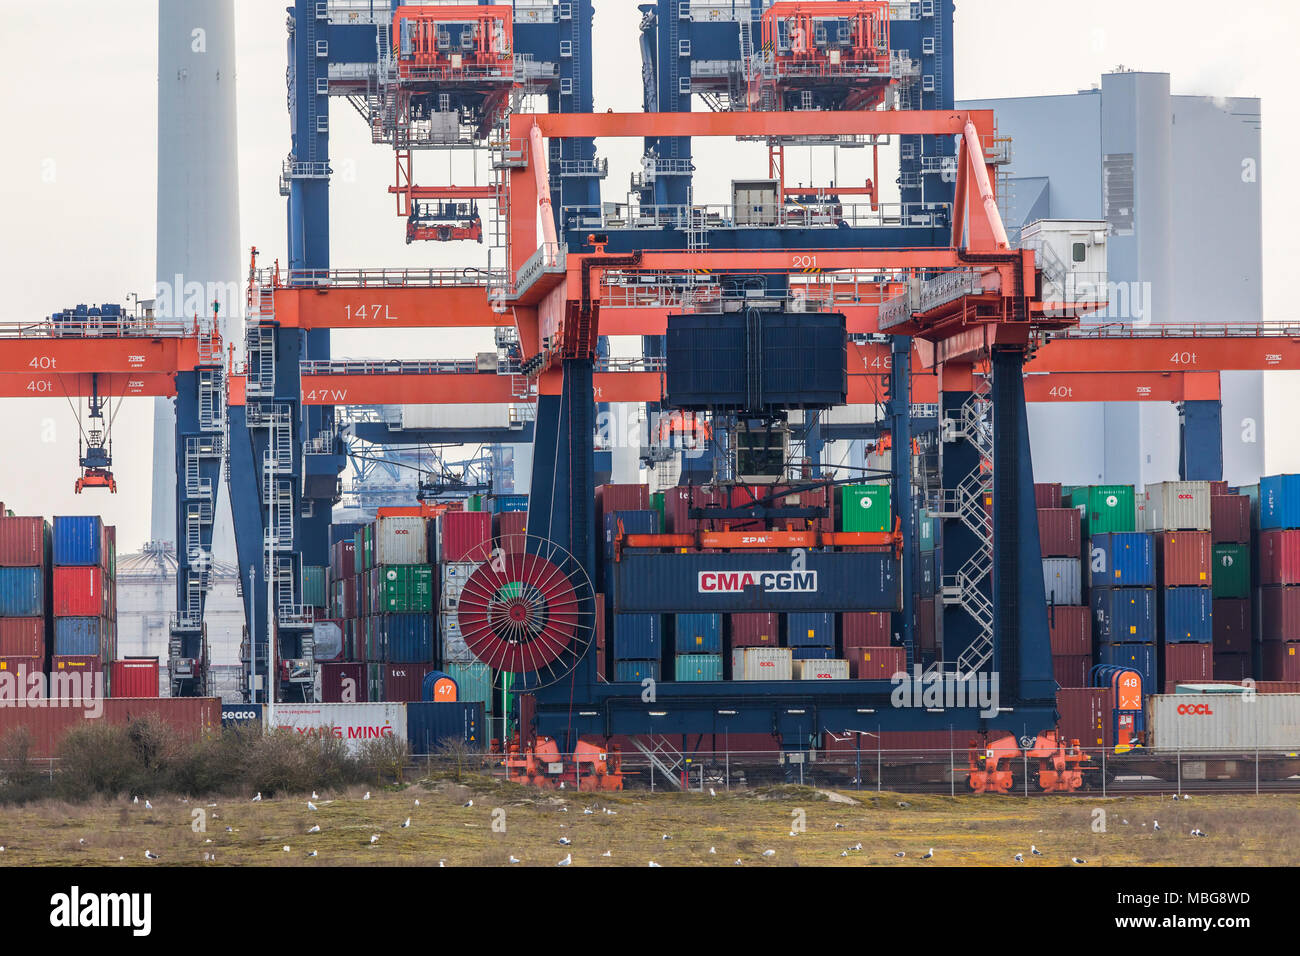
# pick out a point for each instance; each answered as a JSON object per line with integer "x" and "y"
{"x": 1178, "y": 506}
{"x": 1062, "y": 580}
{"x": 1268, "y": 722}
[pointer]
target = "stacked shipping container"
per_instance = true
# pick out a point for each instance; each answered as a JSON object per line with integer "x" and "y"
{"x": 1279, "y": 577}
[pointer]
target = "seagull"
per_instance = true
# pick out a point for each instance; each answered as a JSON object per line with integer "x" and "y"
{"x": 148, "y": 805}
{"x": 930, "y": 855}
{"x": 150, "y": 855}
{"x": 568, "y": 859}
{"x": 1199, "y": 832}
{"x": 417, "y": 802}
{"x": 565, "y": 841}
{"x": 367, "y": 796}
{"x": 564, "y": 809}
{"x": 839, "y": 826}
{"x": 653, "y": 863}
{"x": 711, "y": 792}
{"x": 513, "y": 859}
{"x": 713, "y": 851}
{"x": 1125, "y": 822}
{"x": 587, "y": 811}
{"x": 285, "y": 848}
{"x": 1019, "y": 858}
{"x": 258, "y": 798}
{"x": 207, "y": 857}
{"x": 900, "y": 854}
{"x": 561, "y": 784}
{"x": 315, "y": 829}
{"x": 311, "y": 806}
{"x": 609, "y": 812}
{"x": 208, "y": 840}
{"x": 1075, "y": 859}
{"x": 769, "y": 853}
{"x": 374, "y": 838}
{"x": 1034, "y": 850}
{"x": 82, "y": 841}
{"x": 1155, "y": 824}
{"x": 857, "y": 846}
{"x": 737, "y": 862}
{"x": 903, "y": 804}
{"x": 442, "y": 863}
{"x": 407, "y": 823}
{"x": 314, "y": 796}
{"x": 136, "y": 800}
{"x": 844, "y": 853}
{"x": 607, "y": 853}
{"x": 312, "y": 853}
{"x": 666, "y": 837}
{"x": 467, "y": 804}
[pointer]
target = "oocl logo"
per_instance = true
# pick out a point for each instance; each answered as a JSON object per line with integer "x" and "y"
{"x": 1201, "y": 709}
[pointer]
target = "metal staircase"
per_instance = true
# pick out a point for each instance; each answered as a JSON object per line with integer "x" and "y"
{"x": 663, "y": 756}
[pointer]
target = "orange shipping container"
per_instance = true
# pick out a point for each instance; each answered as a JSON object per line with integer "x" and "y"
{"x": 1184, "y": 558}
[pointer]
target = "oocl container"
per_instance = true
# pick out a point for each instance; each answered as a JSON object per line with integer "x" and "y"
{"x": 24, "y": 542}
{"x": 79, "y": 541}
{"x": 831, "y": 669}
{"x": 698, "y": 634}
{"x": 1224, "y": 723}
{"x": 134, "y": 677}
{"x": 1279, "y": 557}
{"x": 1124, "y": 615}
{"x": 866, "y": 508}
{"x": 1105, "y": 508}
{"x": 762, "y": 663}
{"x": 401, "y": 541}
{"x": 1231, "y": 626}
{"x": 1231, "y": 575}
{"x": 1184, "y": 559}
{"x": 1186, "y": 615}
{"x": 1230, "y": 519}
{"x": 1058, "y": 532}
{"x": 1061, "y": 579}
{"x": 1279, "y": 502}
{"x": 22, "y": 592}
{"x": 698, "y": 667}
{"x": 1178, "y": 506}
{"x": 1121, "y": 560}
{"x": 352, "y": 723}
{"x": 877, "y": 663}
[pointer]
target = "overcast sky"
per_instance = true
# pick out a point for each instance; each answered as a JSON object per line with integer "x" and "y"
{"x": 81, "y": 100}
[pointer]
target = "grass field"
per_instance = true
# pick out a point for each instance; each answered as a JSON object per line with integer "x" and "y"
{"x": 964, "y": 831}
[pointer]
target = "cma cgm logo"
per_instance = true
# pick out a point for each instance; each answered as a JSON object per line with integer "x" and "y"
{"x": 1195, "y": 709}
{"x": 779, "y": 582}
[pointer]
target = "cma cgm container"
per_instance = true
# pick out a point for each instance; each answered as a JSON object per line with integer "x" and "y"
{"x": 1279, "y": 557}
{"x": 80, "y": 592}
{"x": 698, "y": 667}
{"x": 1231, "y": 576}
{"x": 810, "y": 630}
{"x": 1230, "y": 519}
{"x": 1279, "y": 502}
{"x": 1121, "y": 560}
{"x": 762, "y": 663}
{"x": 1224, "y": 722}
{"x": 1138, "y": 657}
{"x": 24, "y": 542}
{"x": 79, "y": 542}
{"x": 1186, "y": 615}
{"x": 462, "y": 536}
{"x": 1178, "y": 506}
{"x": 1124, "y": 615}
{"x": 1231, "y": 626}
{"x": 22, "y": 592}
{"x": 1105, "y": 508}
{"x": 1184, "y": 559}
{"x": 698, "y": 634}
{"x": 191, "y": 717}
{"x": 877, "y": 663}
{"x": 865, "y": 629}
{"x": 1058, "y": 532}
{"x": 432, "y": 726}
{"x": 1071, "y": 630}
{"x": 1279, "y": 615}
{"x": 134, "y": 677}
{"x": 1061, "y": 579}
{"x": 754, "y": 630}
{"x": 352, "y": 723}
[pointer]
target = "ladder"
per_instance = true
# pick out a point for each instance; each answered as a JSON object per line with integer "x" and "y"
{"x": 663, "y": 756}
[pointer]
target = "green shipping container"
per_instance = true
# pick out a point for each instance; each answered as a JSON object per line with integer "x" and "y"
{"x": 474, "y": 684}
{"x": 699, "y": 667}
{"x": 925, "y": 527}
{"x": 1106, "y": 508}
{"x": 314, "y": 593}
{"x": 866, "y": 508}
{"x": 405, "y": 589}
{"x": 1231, "y": 577}
{"x": 475, "y": 503}
{"x": 657, "y": 504}
{"x": 375, "y": 682}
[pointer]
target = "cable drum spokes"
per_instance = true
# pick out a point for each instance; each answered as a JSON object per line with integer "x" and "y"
{"x": 527, "y": 611}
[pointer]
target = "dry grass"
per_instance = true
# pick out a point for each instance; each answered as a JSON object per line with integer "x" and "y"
{"x": 964, "y": 831}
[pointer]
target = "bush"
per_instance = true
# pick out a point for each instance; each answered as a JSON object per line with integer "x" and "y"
{"x": 98, "y": 758}
{"x": 385, "y": 756}
{"x": 22, "y": 782}
{"x": 285, "y": 761}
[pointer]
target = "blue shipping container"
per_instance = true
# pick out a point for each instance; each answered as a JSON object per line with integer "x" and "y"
{"x": 1122, "y": 560}
{"x": 638, "y": 637}
{"x": 636, "y": 671}
{"x": 1140, "y": 657}
{"x": 22, "y": 592}
{"x": 503, "y": 504}
{"x": 699, "y": 667}
{"x": 1188, "y": 616}
{"x": 1124, "y": 615}
{"x": 699, "y": 634}
{"x": 810, "y": 630}
{"x": 812, "y": 653}
{"x": 409, "y": 638}
{"x": 78, "y": 636}
{"x": 430, "y": 726}
{"x": 78, "y": 541}
{"x": 634, "y": 522}
{"x": 1279, "y": 502}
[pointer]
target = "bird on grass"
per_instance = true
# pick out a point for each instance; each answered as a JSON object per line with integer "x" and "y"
{"x": 315, "y": 829}
{"x": 607, "y": 853}
{"x": 148, "y": 805}
{"x": 285, "y": 848}
{"x": 311, "y": 806}
{"x": 738, "y": 862}
{"x": 1019, "y": 858}
{"x": 930, "y": 855}
{"x": 666, "y": 837}
{"x": 900, "y": 854}
{"x": 312, "y": 853}
{"x": 839, "y": 826}
{"x": 374, "y": 838}
{"x": 1155, "y": 824}
{"x": 82, "y": 841}
{"x": 653, "y": 863}
{"x": 258, "y": 798}
{"x": 1075, "y": 859}
{"x": 314, "y": 796}
{"x": 467, "y": 804}
{"x": 230, "y": 829}
{"x": 565, "y": 841}
{"x": 417, "y": 802}
{"x": 564, "y": 809}
{"x": 610, "y": 813}
{"x": 568, "y": 859}
{"x": 136, "y": 800}
{"x": 587, "y": 811}
{"x": 407, "y": 823}
{"x": 844, "y": 853}
{"x": 711, "y": 792}
{"x": 1199, "y": 832}
{"x": 856, "y": 846}
{"x": 150, "y": 855}
{"x": 513, "y": 859}
{"x": 713, "y": 851}
{"x": 769, "y": 853}
{"x": 903, "y": 804}
{"x": 367, "y": 796}
{"x": 1034, "y": 851}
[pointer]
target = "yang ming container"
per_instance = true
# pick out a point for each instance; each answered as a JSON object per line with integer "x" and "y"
{"x": 1105, "y": 508}
{"x": 762, "y": 663}
{"x": 1124, "y": 615}
{"x": 1279, "y": 502}
{"x": 79, "y": 542}
{"x": 354, "y": 724}
{"x": 1231, "y": 570}
{"x": 22, "y": 592}
{"x": 1224, "y": 723}
{"x": 1122, "y": 560}
{"x": 1061, "y": 581}
{"x": 1178, "y": 506}
{"x": 698, "y": 634}
{"x": 1187, "y": 616}
{"x": 24, "y": 542}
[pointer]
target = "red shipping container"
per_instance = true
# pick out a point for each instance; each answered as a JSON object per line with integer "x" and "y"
{"x": 464, "y": 535}
{"x": 1184, "y": 558}
{"x": 865, "y": 629}
{"x": 1218, "y": 488}
{"x": 925, "y": 628}
{"x": 1231, "y": 626}
{"x": 755, "y": 630}
{"x": 1087, "y": 715}
{"x": 1279, "y": 615}
{"x": 22, "y": 665}
{"x": 1048, "y": 495}
{"x": 343, "y": 562}
{"x": 1187, "y": 664}
{"x": 343, "y": 683}
{"x": 1071, "y": 670}
{"x": 190, "y": 716}
{"x": 22, "y": 637}
{"x": 906, "y": 741}
{"x": 678, "y": 502}
{"x": 80, "y": 592}
{"x": 405, "y": 682}
{"x": 1058, "y": 532}
{"x": 83, "y": 667}
{"x": 511, "y": 530}
{"x": 1231, "y": 667}
{"x": 22, "y": 542}
{"x": 1281, "y": 662}
{"x": 876, "y": 663}
{"x": 527, "y": 714}
{"x": 1071, "y": 631}
{"x": 601, "y": 674}
{"x": 620, "y": 498}
{"x": 1230, "y": 519}
{"x": 1279, "y": 557}
{"x": 134, "y": 677}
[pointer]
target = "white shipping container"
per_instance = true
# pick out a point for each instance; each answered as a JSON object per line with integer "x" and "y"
{"x": 454, "y": 648}
{"x": 1177, "y": 506}
{"x": 459, "y": 416}
{"x": 454, "y": 577}
{"x": 352, "y": 723}
{"x": 401, "y": 541}
{"x": 821, "y": 670}
{"x": 1226, "y": 723}
{"x": 1062, "y": 580}
{"x": 762, "y": 663}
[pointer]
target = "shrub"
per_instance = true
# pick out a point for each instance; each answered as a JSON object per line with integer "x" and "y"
{"x": 385, "y": 756}
{"x": 285, "y": 761}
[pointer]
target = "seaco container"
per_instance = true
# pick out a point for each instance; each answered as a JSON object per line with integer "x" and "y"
{"x": 22, "y": 637}
{"x": 1121, "y": 560}
{"x": 762, "y": 663}
{"x": 1231, "y": 574}
{"x": 865, "y": 629}
{"x": 754, "y": 630}
{"x": 134, "y": 677}
{"x": 354, "y": 724}
{"x": 22, "y": 592}
{"x": 1224, "y": 722}
{"x": 24, "y": 542}
{"x": 79, "y": 542}
{"x": 1279, "y": 557}
{"x": 1279, "y": 502}
{"x": 1279, "y": 615}
{"x": 1230, "y": 519}
{"x": 1058, "y": 532}
{"x": 462, "y": 536}
{"x": 1061, "y": 581}
{"x": 1231, "y": 626}
{"x": 698, "y": 667}
{"x": 432, "y": 726}
{"x": 1124, "y": 615}
{"x": 810, "y": 630}
{"x": 698, "y": 634}
{"x": 1178, "y": 506}
{"x": 638, "y": 637}
{"x": 1184, "y": 559}
{"x": 1186, "y": 616}
{"x": 877, "y": 663}
{"x": 1071, "y": 629}
{"x": 1105, "y": 508}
